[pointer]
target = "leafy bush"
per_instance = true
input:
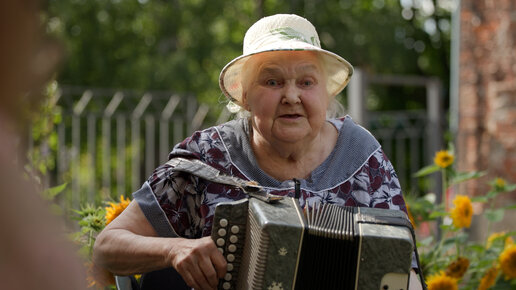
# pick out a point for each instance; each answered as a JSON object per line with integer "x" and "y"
{"x": 453, "y": 260}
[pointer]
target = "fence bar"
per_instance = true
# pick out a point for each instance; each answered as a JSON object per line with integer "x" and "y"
{"x": 164, "y": 134}
{"x": 357, "y": 89}
{"x": 106, "y": 139}
{"x": 135, "y": 154}
{"x": 75, "y": 160}
{"x": 171, "y": 106}
{"x": 106, "y": 153}
{"x": 224, "y": 116}
{"x": 199, "y": 116}
{"x": 191, "y": 105}
{"x": 135, "y": 140}
{"x": 164, "y": 137}
{"x": 149, "y": 145}
{"x": 91, "y": 157}
{"x": 414, "y": 156}
{"x": 178, "y": 130}
{"x": 120, "y": 160}
{"x": 61, "y": 152}
{"x": 434, "y": 115}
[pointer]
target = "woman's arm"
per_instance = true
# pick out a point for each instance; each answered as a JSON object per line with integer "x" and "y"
{"x": 129, "y": 245}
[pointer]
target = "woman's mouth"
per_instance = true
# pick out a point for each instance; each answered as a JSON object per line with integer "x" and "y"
{"x": 290, "y": 116}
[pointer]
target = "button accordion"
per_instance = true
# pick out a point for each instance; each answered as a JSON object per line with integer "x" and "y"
{"x": 278, "y": 245}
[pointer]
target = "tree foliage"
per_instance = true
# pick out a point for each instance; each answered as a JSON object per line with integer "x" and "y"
{"x": 181, "y": 45}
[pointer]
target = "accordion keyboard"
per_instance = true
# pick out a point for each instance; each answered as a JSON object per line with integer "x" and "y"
{"x": 228, "y": 233}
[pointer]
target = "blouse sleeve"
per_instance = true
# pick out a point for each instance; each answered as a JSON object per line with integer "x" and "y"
{"x": 180, "y": 196}
{"x": 385, "y": 186}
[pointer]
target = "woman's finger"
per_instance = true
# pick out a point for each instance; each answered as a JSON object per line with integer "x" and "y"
{"x": 219, "y": 262}
{"x": 209, "y": 271}
{"x": 189, "y": 280}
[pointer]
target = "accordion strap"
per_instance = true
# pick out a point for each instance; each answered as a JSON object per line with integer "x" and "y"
{"x": 207, "y": 172}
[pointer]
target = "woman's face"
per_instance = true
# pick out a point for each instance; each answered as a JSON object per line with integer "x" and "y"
{"x": 286, "y": 95}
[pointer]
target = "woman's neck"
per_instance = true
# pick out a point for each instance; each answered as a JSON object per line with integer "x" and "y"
{"x": 285, "y": 161}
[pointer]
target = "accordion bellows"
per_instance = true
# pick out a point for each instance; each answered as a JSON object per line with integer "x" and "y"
{"x": 280, "y": 246}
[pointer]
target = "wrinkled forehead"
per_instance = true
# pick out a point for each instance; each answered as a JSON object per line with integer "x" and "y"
{"x": 279, "y": 60}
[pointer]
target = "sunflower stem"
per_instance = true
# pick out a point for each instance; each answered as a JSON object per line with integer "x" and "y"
{"x": 444, "y": 188}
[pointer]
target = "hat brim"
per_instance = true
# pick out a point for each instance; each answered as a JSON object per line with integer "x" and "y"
{"x": 338, "y": 70}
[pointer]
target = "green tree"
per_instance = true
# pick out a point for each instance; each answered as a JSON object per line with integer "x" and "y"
{"x": 182, "y": 45}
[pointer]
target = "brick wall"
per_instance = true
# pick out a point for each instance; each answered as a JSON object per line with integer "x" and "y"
{"x": 487, "y": 112}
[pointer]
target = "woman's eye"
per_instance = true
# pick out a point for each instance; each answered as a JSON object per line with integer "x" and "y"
{"x": 307, "y": 83}
{"x": 272, "y": 83}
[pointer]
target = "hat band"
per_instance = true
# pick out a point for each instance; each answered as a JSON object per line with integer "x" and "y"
{"x": 279, "y": 37}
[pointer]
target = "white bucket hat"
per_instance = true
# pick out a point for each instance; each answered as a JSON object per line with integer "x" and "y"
{"x": 283, "y": 32}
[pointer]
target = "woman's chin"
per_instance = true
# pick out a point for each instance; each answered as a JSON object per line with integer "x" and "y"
{"x": 292, "y": 135}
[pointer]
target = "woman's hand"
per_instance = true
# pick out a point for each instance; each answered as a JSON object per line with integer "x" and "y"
{"x": 198, "y": 261}
{"x": 129, "y": 245}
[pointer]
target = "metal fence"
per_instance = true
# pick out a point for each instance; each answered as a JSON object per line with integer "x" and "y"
{"x": 110, "y": 141}
{"x": 409, "y": 138}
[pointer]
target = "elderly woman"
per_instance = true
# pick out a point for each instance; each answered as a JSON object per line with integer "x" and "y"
{"x": 287, "y": 85}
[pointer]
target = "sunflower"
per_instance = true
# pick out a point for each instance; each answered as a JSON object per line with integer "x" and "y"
{"x": 508, "y": 262}
{"x": 441, "y": 282}
{"x": 457, "y": 268}
{"x": 462, "y": 213}
{"x": 489, "y": 279}
{"x": 115, "y": 209}
{"x": 443, "y": 158}
{"x": 499, "y": 183}
{"x": 495, "y": 236}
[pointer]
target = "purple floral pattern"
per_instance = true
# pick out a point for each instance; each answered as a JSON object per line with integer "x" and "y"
{"x": 189, "y": 202}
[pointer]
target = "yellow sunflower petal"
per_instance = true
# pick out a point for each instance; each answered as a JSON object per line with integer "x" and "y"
{"x": 457, "y": 268}
{"x": 443, "y": 159}
{"x": 508, "y": 261}
{"x": 462, "y": 213}
{"x": 115, "y": 209}
{"x": 441, "y": 282}
{"x": 489, "y": 279}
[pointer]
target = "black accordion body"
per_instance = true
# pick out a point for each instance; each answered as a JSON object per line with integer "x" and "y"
{"x": 277, "y": 246}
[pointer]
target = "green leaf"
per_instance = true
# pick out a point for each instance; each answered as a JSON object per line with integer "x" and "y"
{"x": 510, "y": 187}
{"x": 426, "y": 170}
{"x": 480, "y": 199}
{"x": 495, "y": 215}
{"x": 437, "y": 214}
{"x": 426, "y": 241}
{"x": 477, "y": 248}
{"x": 52, "y": 192}
{"x": 463, "y": 176}
{"x": 510, "y": 207}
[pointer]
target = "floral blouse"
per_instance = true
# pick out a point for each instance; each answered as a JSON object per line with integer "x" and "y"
{"x": 356, "y": 173}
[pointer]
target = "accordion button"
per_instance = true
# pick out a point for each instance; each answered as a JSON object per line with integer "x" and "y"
{"x": 230, "y": 258}
{"x": 228, "y": 277}
{"x": 221, "y": 250}
{"x": 235, "y": 229}
{"x": 232, "y": 248}
{"x": 223, "y": 222}
{"x": 220, "y": 242}
{"x": 233, "y": 239}
{"x": 226, "y": 285}
{"x": 222, "y": 232}
{"x": 229, "y": 267}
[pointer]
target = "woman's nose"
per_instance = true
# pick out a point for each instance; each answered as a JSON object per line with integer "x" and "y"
{"x": 291, "y": 94}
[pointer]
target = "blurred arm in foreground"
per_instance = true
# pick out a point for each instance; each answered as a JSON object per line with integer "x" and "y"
{"x": 34, "y": 252}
